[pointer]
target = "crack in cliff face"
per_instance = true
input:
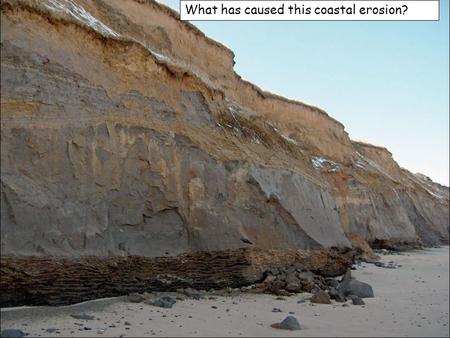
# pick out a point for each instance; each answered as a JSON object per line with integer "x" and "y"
{"x": 301, "y": 239}
{"x": 7, "y": 214}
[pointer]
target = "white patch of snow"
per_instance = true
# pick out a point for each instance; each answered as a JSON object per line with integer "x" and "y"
{"x": 79, "y": 13}
{"x": 232, "y": 110}
{"x": 158, "y": 56}
{"x": 319, "y": 163}
{"x": 428, "y": 187}
{"x": 290, "y": 140}
{"x": 434, "y": 194}
{"x": 204, "y": 78}
{"x": 287, "y": 138}
{"x": 362, "y": 162}
{"x": 396, "y": 193}
{"x": 273, "y": 127}
{"x": 256, "y": 140}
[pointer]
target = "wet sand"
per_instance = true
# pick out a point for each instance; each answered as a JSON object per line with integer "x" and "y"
{"x": 411, "y": 300}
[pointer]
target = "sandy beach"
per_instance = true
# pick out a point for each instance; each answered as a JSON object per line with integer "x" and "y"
{"x": 410, "y": 300}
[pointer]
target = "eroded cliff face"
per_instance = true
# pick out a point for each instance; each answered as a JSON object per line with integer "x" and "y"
{"x": 126, "y": 131}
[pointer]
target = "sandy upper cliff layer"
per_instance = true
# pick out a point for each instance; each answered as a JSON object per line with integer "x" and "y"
{"x": 126, "y": 131}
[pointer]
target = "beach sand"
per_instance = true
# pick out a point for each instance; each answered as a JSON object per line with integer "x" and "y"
{"x": 411, "y": 300}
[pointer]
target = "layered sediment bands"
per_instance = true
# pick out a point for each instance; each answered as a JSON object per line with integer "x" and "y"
{"x": 126, "y": 132}
{"x": 55, "y": 281}
{"x": 186, "y": 46}
{"x": 402, "y": 207}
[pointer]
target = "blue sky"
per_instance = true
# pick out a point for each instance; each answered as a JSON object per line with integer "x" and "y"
{"x": 387, "y": 82}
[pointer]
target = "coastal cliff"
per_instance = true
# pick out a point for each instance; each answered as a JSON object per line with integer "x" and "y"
{"x": 134, "y": 158}
{"x": 126, "y": 132}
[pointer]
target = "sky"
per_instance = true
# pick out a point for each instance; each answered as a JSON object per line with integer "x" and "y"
{"x": 387, "y": 82}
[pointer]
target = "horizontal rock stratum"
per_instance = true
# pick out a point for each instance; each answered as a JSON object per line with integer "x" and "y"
{"x": 126, "y": 132}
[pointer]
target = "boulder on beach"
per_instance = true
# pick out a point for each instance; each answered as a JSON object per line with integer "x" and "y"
{"x": 289, "y": 323}
{"x": 336, "y": 295}
{"x": 83, "y": 316}
{"x": 351, "y": 286}
{"x": 321, "y": 297}
{"x": 164, "y": 302}
{"x": 356, "y": 300}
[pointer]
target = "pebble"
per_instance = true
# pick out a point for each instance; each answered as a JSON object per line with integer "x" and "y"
{"x": 164, "y": 302}
{"x": 83, "y": 316}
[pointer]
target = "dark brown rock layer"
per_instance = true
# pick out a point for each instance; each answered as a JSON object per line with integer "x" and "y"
{"x": 56, "y": 281}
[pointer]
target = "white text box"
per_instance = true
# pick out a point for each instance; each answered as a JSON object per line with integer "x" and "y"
{"x": 312, "y": 10}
